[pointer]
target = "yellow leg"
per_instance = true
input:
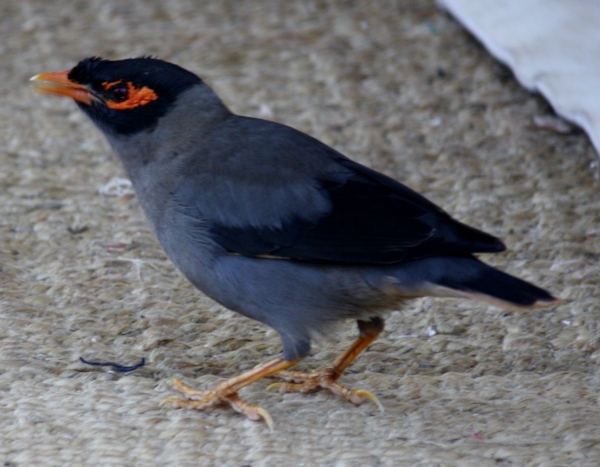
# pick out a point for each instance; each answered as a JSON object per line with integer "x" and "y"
{"x": 226, "y": 391}
{"x": 326, "y": 378}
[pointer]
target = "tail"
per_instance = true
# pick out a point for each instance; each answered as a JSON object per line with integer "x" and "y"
{"x": 466, "y": 276}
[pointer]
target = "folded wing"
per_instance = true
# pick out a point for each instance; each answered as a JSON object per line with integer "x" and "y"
{"x": 336, "y": 212}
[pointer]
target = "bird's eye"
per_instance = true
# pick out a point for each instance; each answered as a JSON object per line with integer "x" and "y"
{"x": 118, "y": 93}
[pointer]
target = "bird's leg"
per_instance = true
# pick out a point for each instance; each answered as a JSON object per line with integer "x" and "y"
{"x": 326, "y": 378}
{"x": 226, "y": 392}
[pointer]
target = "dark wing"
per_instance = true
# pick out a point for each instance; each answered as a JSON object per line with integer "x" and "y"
{"x": 375, "y": 219}
{"x": 337, "y": 211}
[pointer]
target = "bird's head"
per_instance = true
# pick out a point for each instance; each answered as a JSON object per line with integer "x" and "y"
{"x": 123, "y": 96}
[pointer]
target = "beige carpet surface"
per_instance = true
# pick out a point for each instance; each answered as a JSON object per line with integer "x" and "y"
{"x": 399, "y": 86}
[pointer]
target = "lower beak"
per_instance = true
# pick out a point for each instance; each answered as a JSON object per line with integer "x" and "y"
{"x": 58, "y": 83}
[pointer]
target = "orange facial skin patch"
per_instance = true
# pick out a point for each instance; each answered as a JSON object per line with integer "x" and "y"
{"x": 135, "y": 97}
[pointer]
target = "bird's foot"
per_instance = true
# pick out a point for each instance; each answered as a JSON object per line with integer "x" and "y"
{"x": 222, "y": 394}
{"x": 226, "y": 392}
{"x": 305, "y": 383}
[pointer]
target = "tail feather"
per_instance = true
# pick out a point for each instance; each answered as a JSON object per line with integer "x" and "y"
{"x": 486, "y": 283}
{"x": 467, "y": 276}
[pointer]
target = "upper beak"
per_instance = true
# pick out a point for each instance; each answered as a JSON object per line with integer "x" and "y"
{"x": 58, "y": 83}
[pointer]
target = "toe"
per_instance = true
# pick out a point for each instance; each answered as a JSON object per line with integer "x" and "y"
{"x": 251, "y": 411}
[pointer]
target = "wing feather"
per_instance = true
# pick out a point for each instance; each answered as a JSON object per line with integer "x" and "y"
{"x": 335, "y": 211}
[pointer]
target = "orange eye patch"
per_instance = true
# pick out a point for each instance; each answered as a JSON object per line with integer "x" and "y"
{"x": 120, "y": 97}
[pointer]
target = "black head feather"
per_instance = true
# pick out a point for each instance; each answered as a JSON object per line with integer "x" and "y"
{"x": 162, "y": 80}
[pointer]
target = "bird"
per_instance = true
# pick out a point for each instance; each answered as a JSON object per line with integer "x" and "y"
{"x": 276, "y": 225}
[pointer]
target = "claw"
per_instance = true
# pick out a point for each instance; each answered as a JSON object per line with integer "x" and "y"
{"x": 361, "y": 394}
{"x": 272, "y": 386}
{"x": 251, "y": 411}
{"x": 266, "y": 417}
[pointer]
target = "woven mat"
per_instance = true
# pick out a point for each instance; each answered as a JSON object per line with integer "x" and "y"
{"x": 396, "y": 85}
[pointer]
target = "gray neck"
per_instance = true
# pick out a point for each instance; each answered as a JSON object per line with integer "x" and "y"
{"x": 187, "y": 123}
{"x": 155, "y": 159}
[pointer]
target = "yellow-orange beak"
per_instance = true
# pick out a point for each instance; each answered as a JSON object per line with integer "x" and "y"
{"x": 58, "y": 83}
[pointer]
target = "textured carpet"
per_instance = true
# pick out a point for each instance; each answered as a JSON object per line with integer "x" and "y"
{"x": 399, "y": 86}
